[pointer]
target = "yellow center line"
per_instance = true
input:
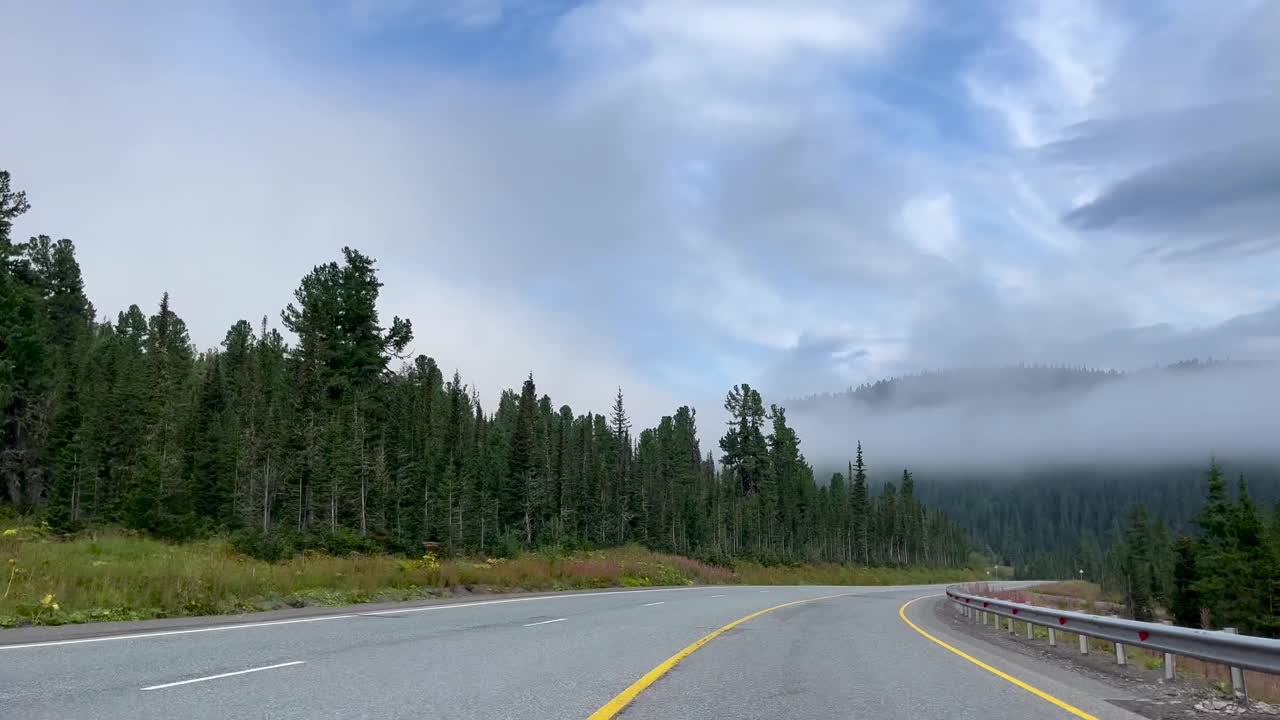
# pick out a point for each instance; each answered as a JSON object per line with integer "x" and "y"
{"x": 624, "y": 698}
{"x": 902, "y": 613}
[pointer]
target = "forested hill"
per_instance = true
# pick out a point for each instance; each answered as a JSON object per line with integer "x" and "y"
{"x": 1012, "y": 386}
{"x": 1043, "y": 463}
{"x": 1053, "y": 522}
{"x": 335, "y": 441}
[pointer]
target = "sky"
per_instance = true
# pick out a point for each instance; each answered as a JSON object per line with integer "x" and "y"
{"x": 674, "y": 196}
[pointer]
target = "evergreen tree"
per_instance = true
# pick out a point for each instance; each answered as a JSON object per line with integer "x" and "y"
{"x": 1137, "y": 566}
{"x": 1185, "y": 604}
{"x": 516, "y": 493}
{"x": 860, "y": 512}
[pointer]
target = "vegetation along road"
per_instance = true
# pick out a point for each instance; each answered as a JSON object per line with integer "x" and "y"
{"x": 816, "y": 652}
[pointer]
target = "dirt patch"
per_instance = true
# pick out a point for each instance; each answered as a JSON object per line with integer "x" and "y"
{"x": 1156, "y": 699}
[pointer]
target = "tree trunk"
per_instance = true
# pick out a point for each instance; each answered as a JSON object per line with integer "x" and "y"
{"x": 358, "y": 444}
{"x": 266, "y": 498}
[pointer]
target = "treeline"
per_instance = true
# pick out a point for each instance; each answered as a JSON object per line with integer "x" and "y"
{"x": 1225, "y": 575}
{"x": 322, "y": 442}
{"x": 941, "y": 387}
{"x": 1010, "y": 383}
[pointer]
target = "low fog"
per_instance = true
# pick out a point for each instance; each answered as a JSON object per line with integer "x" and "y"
{"x": 1149, "y": 417}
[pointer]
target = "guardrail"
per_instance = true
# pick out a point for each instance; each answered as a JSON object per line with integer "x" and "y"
{"x": 1223, "y": 647}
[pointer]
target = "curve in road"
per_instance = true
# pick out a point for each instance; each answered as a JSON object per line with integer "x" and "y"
{"x": 777, "y": 653}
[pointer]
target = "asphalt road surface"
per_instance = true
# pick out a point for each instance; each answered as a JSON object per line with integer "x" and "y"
{"x": 848, "y": 655}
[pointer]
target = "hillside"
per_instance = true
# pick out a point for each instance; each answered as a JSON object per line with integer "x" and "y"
{"x": 1012, "y": 385}
{"x": 1041, "y": 464}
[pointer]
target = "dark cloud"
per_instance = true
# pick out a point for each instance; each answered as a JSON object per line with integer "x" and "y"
{"x": 1217, "y": 201}
{"x": 1184, "y": 139}
{"x": 1145, "y": 136}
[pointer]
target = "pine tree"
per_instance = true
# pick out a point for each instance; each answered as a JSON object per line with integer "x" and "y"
{"x": 626, "y": 499}
{"x": 22, "y": 360}
{"x": 516, "y": 495}
{"x": 860, "y": 511}
{"x": 1215, "y": 552}
{"x": 911, "y": 526}
{"x": 1137, "y": 566}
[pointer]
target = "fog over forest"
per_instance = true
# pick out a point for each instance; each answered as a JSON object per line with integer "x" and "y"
{"x": 1015, "y": 419}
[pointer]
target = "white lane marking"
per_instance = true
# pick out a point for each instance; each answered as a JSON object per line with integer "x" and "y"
{"x": 215, "y": 677}
{"x": 544, "y": 622}
{"x": 721, "y": 595}
{"x": 764, "y": 591}
{"x": 660, "y": 602}
{"x": 240, "y": 626}
{"x": 527, "y": 599}
{"x": 174, "y": 632}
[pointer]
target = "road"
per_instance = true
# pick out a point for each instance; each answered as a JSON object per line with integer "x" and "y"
{"x": 843, "y": 653}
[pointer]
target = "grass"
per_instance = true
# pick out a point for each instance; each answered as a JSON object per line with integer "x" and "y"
{"x": 1074, "y": 589}
{"x": 116, "y": 575}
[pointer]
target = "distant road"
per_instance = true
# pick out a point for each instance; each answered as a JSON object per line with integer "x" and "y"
{"x": 849, "y": 655}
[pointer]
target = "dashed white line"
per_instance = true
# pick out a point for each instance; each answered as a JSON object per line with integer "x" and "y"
{"x": 223, "y": 675}
{"x": 544, "y": 622}
{"x": 322, "y": 618}
{"x": 660, "y": 602}
{"x": 720, "y": 595}
{"x": 764, "y": 591}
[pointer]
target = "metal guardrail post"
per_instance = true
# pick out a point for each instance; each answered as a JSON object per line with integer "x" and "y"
{"x": 1239, "y": 652}
{"x": 1011, "y": 632}
{"x": 1237, "y": 676}
{"x": 1121, "y": 658}
{"x": 1170, "y": 660}
{"x": 1053, "y": 638}
{"x": 1030, "y": 633}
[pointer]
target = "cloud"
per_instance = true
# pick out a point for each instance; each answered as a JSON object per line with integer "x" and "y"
{"x": 716, "y": 61}
{"x": 1191, "y": 170}
{"x": 225, "y": 188}
{"x": 1049, "y": 67}
{"x": 678, "y": 195}
{"x": 1220, "y": 202}
{"x": 992, "y": 424}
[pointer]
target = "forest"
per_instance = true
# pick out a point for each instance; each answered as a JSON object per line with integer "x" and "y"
{"x": 1059, "y": 521}
{"x": 329, "y": 437}
{"x": 1225, "y": 575}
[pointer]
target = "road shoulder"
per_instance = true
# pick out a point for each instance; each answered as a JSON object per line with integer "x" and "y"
{"x": 1101, "y": 700}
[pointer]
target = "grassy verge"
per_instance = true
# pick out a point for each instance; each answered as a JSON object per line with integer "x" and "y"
{"x": 113, "y": 575}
